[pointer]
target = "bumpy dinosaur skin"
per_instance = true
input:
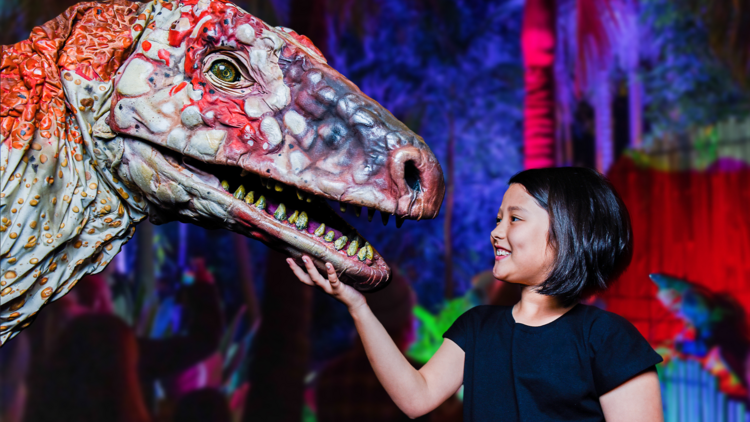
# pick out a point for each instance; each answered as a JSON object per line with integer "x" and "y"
{"x": 196, "y": 111}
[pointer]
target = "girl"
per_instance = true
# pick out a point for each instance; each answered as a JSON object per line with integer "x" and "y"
{"x": 561, "y": 234}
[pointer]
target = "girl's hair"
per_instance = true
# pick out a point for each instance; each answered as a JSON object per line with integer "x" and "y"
{"x": 589, "y": 229}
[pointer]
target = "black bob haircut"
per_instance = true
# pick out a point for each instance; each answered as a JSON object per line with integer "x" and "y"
{"x": 589, "y": 230}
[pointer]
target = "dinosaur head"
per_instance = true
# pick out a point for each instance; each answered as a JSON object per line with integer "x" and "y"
{"x": 226, "y": 122}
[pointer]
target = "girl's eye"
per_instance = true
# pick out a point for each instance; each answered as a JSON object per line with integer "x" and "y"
{"x": 515, "y": 219}
{"x": 225, "y": 71}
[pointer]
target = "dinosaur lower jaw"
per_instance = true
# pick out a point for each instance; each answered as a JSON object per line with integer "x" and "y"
{"x": 256, "y": 211}
{"x": 300, "y": 225}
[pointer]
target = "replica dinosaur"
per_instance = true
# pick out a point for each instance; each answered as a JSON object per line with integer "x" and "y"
{"x": 191, "y": 110}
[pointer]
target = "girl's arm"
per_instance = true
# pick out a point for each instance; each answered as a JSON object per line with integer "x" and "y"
{"x": 638, "y": 399}
{"x": 414, "y": 392}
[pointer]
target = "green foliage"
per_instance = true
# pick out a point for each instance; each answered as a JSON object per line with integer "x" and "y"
{"x": 432, "y": 326}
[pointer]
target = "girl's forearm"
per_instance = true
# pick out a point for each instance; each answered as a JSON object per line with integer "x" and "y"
{"x": 406, "y": 386}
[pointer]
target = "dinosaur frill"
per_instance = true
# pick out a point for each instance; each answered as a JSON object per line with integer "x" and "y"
{"x": 60, "y": 218}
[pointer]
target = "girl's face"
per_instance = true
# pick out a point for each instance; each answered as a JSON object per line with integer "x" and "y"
{"x": 522, "y": 253}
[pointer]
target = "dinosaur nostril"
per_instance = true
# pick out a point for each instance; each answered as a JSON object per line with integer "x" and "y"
{"x": 411, "y": 176}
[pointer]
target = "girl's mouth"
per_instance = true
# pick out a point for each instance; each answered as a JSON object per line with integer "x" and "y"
{"x": 501, "y": 254}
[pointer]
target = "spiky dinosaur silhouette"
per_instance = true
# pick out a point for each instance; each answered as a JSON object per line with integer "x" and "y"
{"x": 191, "y": 110}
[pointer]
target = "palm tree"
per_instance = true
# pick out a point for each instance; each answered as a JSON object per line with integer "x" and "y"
{"x": 538, "y": 39}
{"x": 589, "y": 26}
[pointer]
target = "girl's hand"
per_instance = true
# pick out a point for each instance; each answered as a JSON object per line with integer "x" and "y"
{"x": 348, "y": 295}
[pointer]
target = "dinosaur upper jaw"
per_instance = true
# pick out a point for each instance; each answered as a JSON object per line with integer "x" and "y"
{"x": 193, "y": 190}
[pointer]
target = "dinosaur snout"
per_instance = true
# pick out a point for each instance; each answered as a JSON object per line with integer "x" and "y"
{"x": 419, "y": 179}
{"x": 361, "y": 153}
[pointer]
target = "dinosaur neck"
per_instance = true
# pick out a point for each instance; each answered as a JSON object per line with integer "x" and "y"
{"x": 62, "y": 216}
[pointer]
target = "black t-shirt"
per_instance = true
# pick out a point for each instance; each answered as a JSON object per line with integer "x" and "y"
{"x": 556, "y": 372}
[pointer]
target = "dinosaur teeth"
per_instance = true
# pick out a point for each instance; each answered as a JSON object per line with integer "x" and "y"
{"x": 399, "y": 221}
{"x": 384, "y": 216}
{"x": 353, "y": 245}
{"x": 352, "y": 249}
{"x": 244, "y": 173}
{"x": 340, "y": 242}
{"x": 302, "y": 221}
{"x": 261, "y": 204}
{"x": 280, "y": 213}
{"x": 240, "y": 192}
{"x": 293, "y": 218}
{"x": 362, "y": 254}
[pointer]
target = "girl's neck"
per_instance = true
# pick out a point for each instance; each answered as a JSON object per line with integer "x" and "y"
{"x": 536, "y": 310}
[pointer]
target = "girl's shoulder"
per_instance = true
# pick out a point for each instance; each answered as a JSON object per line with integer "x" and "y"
{"x": 599, "y": 319}
{"x": 483, "y": 317}
{"x": 603, "y": 328}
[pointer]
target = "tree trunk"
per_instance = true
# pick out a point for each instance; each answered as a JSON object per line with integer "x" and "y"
{"x": 145, "y": 270}
{"x": 603, "y": 121}
{"x": 282, "y": 347}
{"x": 538, "y": 40}
{"x": 635, "y": 109}
{"x": 447, "y": 224}
{"x": 247, "y": 278}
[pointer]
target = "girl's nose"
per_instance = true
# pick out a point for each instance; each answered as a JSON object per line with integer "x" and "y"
{"x": 498, "y": 232}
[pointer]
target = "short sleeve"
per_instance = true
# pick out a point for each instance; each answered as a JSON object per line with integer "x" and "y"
{"x": 619, "y": 352}
{"x": 458, "y": 332}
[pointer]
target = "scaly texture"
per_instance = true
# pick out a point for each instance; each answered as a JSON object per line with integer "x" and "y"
{"x": 59, "y": 220}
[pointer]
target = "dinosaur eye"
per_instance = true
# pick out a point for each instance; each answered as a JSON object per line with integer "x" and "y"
{"x": 225, "y": 71}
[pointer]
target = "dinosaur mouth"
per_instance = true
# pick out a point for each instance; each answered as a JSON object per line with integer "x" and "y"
{"x": 283, "y": 217}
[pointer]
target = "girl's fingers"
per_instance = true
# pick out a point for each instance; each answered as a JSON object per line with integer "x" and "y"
{"x": 299, "y": 272}
{"x": 313, "y": 272}
{"x": 333, "y": 278}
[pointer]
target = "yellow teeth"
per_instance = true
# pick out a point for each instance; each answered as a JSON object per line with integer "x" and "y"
{"x": 302, "y": 221}
{"x": 293, "y": 218}
{"x": 244, "y": 173}
{"x": 340, "y": 242}
{"x": 280, "y": 213}
{"x": 261, "y": 204}
{"x": 362, "y": 254}
{"x": 352, "y": 249}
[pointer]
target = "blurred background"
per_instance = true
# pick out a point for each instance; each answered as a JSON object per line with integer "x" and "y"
{"x": 189, "y": 324}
